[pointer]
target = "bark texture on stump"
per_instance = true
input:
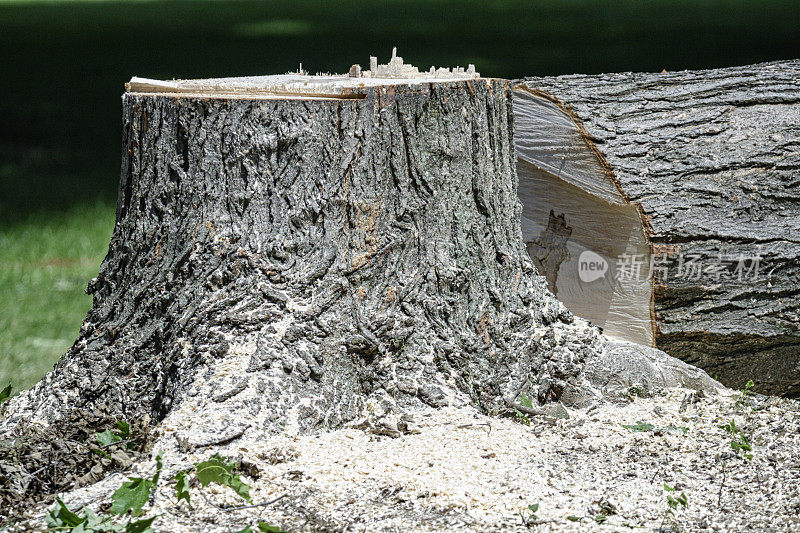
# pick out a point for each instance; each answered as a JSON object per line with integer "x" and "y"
{"x": 712, "y": 158}
{"x": 296, "y": 258}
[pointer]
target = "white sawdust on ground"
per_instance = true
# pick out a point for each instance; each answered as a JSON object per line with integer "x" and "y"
{"x": 466, "y": 471}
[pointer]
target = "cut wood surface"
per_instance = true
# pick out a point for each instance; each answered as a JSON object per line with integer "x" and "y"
{"x": 713, "y": 158}
{"x": 577, "y": 224}
{"x": 291, "y": 85}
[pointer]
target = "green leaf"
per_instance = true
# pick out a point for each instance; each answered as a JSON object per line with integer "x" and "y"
{"x": 573, "y": 518}
{"x": 739, "y": 446}
{"x": 668, "y": 488}
{"x": 680, "y": 500}
{"x": 5, "y": 394}
{"x": 240, "y": 487}
{"x": 124, "y": 429}
{"x": 135, "y": 493}
{"x": 218, "y": 470}
{"x": 214, "y": 470}
{"x": 266, "y": 528}
{"x": 107, "y": 437}
{"x": 534, "y": 507}
{"x": 139, "y": 526}
{"x": 525, "y": 401}
{"x": 182, "y": 487}
{"x": 159, "y": 467}
{"x": 640, "y": 426}
{"x": 672, "y": 502}
{"x": 683, "y": 500}
{"x": 60, "y": 516}
{"x": 132, "y": 496}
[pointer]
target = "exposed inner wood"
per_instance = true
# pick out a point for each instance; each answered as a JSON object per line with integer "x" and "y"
{"x": 283, "y": 86}
{"x": 575, "y": 220}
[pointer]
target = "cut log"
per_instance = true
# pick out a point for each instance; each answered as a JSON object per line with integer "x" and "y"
{"x": 711, "y": 158}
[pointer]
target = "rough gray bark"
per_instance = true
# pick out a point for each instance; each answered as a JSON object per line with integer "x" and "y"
{"x": 712, "y": 158}
{"x": 352, "y": 248}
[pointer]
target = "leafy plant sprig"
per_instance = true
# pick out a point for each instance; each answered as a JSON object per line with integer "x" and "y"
{"x": 221, "y": 471}
{"x": 531, "y": 517}
{"x": 128, "y": 499}
{"x": 739, "y": 441}
{"x": 524, "y": 401}
{"x": 61, "y": 518}
{"x": 743, "y": 400}
{"x": 136, "y": 492}
{"x": 109, "y": 437}
{"x": 674, "y": 501}
{"x": 215, "y": 469}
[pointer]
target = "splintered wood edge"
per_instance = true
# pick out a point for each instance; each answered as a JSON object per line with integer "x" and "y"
{"x": 285, "y": 86}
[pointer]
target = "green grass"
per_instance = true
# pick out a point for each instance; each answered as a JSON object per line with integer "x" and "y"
{"x": 45, "y": 264}
{"x": 64, "y": 64}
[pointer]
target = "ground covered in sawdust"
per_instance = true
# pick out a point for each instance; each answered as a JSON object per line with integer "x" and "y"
{"x": 461, "y": 470}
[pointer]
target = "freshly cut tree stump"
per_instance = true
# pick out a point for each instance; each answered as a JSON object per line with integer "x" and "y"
{"x": 295, "y": 253}
{"x": 314, "y": 251}
{"x": 711, "y": 158}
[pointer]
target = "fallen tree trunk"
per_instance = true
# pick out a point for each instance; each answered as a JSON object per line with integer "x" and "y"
{"x": 711, "y": 159}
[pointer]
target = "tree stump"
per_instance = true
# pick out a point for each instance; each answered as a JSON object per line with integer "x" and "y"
{"x": 309, "y": 248}
{"x": 710, "y": 158}
{"x": 295, "y": 253}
